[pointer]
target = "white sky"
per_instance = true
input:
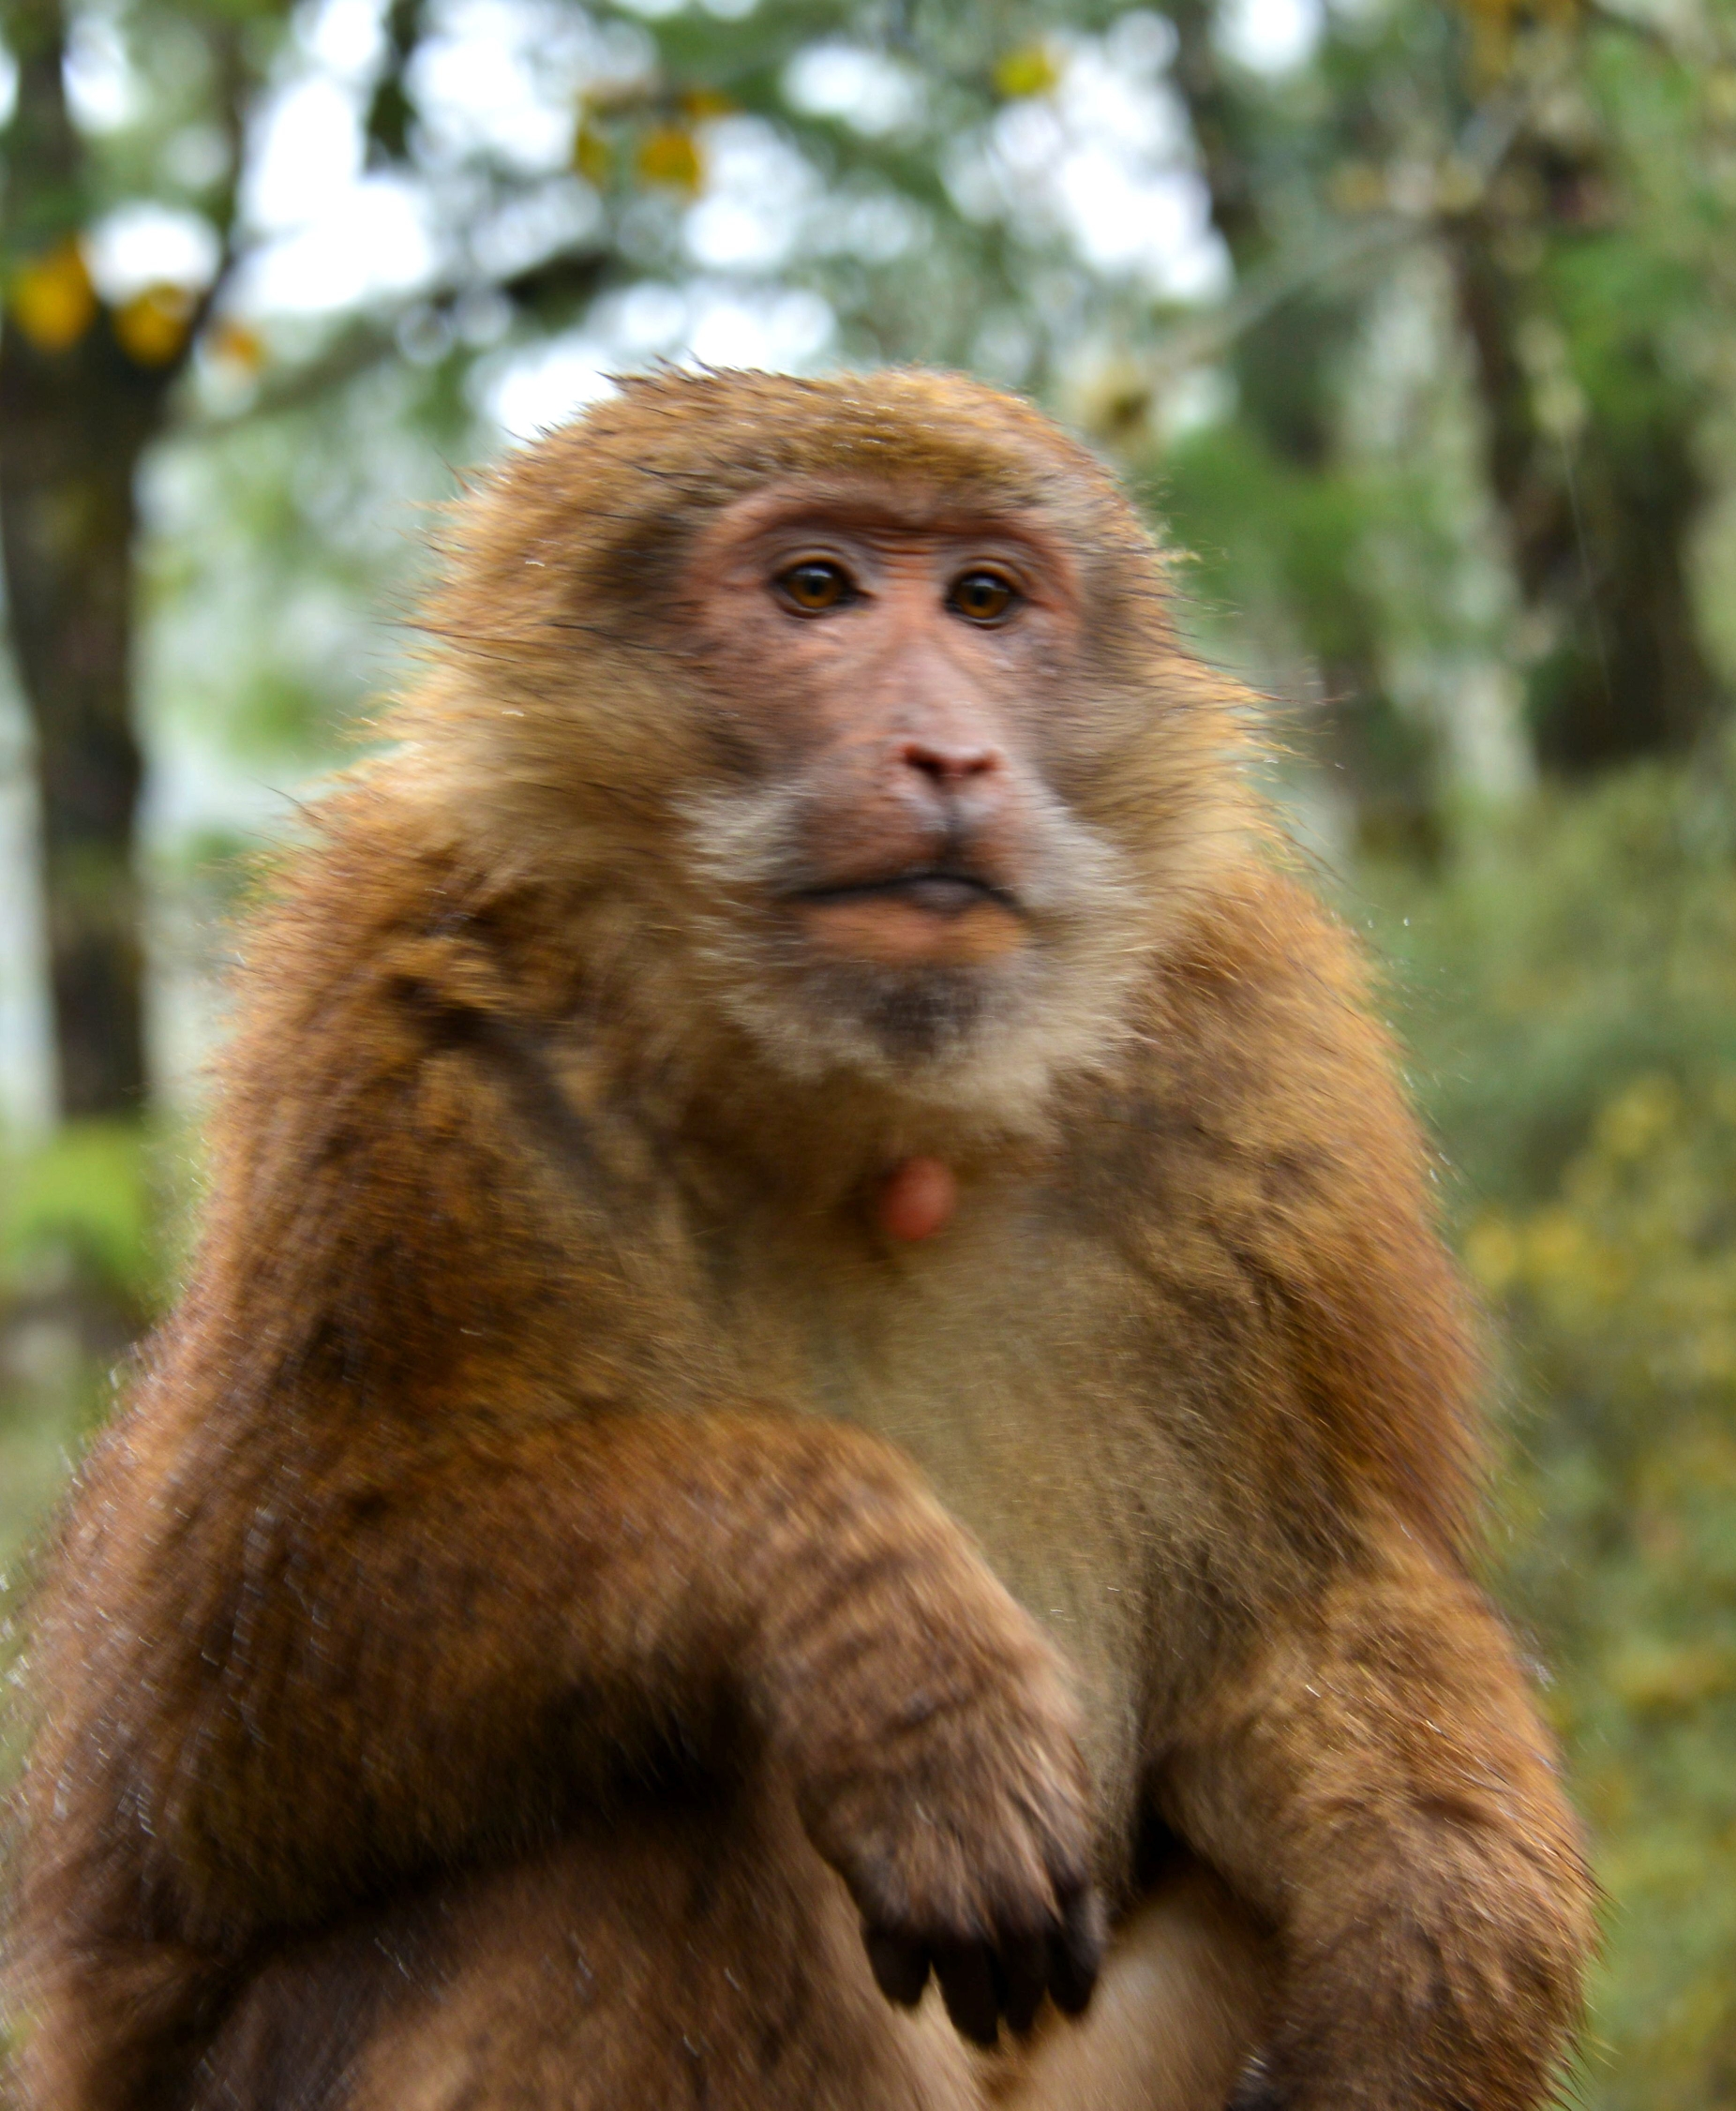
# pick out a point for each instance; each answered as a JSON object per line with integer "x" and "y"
{"x": 1270, "y": 36}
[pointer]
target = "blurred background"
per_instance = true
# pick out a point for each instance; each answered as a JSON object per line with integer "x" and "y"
{"x": 1413, "y": 321}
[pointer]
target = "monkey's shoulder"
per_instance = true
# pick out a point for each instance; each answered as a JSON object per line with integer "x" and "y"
{"x": 1256, "y": 1161}
{"x": 1255, "y": 1069}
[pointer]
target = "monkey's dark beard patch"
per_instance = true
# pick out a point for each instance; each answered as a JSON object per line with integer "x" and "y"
{"x": 923, "y": 1031}
{"x": 915, "y": 1015}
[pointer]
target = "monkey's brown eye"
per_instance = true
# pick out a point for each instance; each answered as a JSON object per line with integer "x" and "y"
{"x": 815, "y": 587}
{"x": 982, "y": 597}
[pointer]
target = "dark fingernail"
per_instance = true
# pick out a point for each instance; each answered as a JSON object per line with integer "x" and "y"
{"x": 1022, "y": 1970}
{"x": 968, "y": 1991}
{"x": 899, "y": 1964}
{"x": 1075, "y": 1952}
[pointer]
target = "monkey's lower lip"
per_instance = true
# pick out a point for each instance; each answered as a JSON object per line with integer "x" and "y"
{"x": 938, "y": 893}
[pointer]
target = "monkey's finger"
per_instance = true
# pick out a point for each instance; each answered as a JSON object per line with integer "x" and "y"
{"x": 1021, "y": 1972}
{"x": 1076, "y": 1951}
{"x": 899, "y": 1963}
{"x": 968, "y": 1990}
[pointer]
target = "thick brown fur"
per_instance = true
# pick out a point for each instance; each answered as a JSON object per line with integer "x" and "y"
{"x": 564, "y": 1565}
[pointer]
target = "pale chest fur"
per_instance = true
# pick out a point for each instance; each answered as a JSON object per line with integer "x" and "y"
{"x": 1011, "y": 1357}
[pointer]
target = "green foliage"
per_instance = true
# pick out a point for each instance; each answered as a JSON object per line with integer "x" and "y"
{"x": 1569, "y": 984}
{"x": 282, "y": 574}
{"x": 91, "y": 1231}
{"x": 1575, "y": 942}
{"x": 1301, "y": 569}
{"x": 1621, "y": 1293}
{"x": 82, "y": 1198}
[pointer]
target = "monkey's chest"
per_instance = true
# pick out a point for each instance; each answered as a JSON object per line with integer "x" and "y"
{"x": 1016, "y": 1385}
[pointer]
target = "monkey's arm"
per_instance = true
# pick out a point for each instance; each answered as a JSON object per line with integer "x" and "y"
{"x": 350, "y": 1674}
{"x": 283, "y": 1698}
{"x": 1365, "y": 1764}
{"x": 1380, "y": 1789}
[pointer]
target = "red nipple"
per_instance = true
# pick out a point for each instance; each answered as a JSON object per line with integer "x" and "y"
{"x": 917, "y": 1199}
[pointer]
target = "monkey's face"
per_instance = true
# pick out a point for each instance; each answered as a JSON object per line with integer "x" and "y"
{"x": 893, "y": 878}
{"x": 851, "y": 709}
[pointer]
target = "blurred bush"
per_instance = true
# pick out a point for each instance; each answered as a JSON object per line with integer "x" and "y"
{"x": 1619, "y": 1287}
{"x": 1566, "y": 982}
{"x": 90, "y": 1234}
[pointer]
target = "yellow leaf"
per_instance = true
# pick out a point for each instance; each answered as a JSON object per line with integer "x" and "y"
{"x": 1556, "y": 1245}
{"x": 1658, "y": 1679}
{"x": 591, "y": 155}
{"x": 235, "y": 342}
{"x": 1492, "y": 37}
{"x": 1028, "y": 70}
{"x": 1636, "y": 1124}
{"x": 668, "y": 156}
{"x": 1493, "y": 23}
{"x": 152, "y": 326}
{"x": 52, "y": 300}
{"x": 1492, "y": 1253}
{"x": 1457, "y": 185}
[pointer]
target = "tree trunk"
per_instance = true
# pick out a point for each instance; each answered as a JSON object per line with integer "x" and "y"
{"x": 76, "y": 414}
{"x": 1598, "y": 519}
{"x": 1284, "y": 366}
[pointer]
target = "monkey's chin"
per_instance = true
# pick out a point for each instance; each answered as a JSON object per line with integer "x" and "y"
{"x": 981, "y": 1042}
{"x": 891, "y": 932}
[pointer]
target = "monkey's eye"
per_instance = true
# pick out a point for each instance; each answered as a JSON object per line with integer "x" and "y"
{"x": 815, "y": 585}
{"x": 982, "y": 597}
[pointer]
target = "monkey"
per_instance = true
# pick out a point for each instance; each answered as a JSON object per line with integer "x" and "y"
{"x": 819, "y": 1395}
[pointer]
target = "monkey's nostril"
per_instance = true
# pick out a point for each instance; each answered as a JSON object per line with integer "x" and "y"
{"x": 948, "y": 765}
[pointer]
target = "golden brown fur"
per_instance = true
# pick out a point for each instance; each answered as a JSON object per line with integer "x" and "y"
{"x": 558, "y": 1509}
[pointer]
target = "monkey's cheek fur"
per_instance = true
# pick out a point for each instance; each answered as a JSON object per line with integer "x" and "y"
{"x": 894, "y": 934}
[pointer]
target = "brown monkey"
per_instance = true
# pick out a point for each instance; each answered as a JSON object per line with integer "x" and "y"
{"x": 818, "y": 1314}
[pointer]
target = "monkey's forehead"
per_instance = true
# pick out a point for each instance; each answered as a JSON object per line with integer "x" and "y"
{"x": 673, "y": 446}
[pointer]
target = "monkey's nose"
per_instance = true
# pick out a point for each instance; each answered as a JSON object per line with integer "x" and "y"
{"x": 948, "y": 766}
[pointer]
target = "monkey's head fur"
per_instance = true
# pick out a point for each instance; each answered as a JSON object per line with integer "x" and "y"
{"x": 891, "y": 660}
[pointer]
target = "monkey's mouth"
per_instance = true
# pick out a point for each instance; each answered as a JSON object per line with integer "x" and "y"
{"x": 934, "y": 889}
{"x": 926, "y": 916}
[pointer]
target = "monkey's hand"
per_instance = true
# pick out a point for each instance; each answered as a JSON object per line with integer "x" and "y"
{"x": 934, "y": 1745}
